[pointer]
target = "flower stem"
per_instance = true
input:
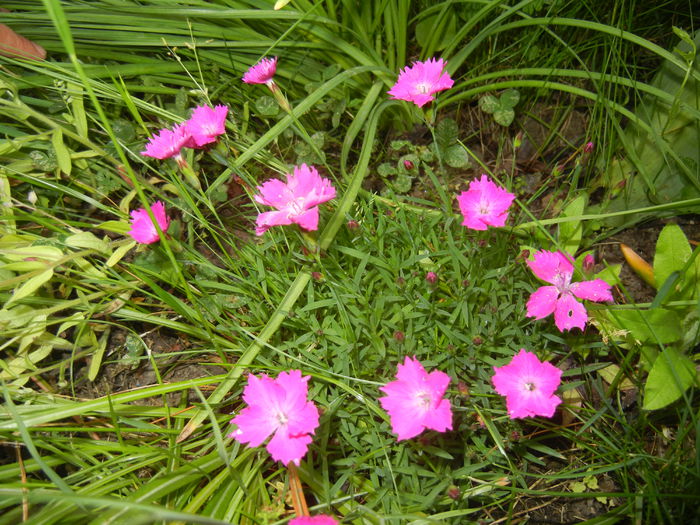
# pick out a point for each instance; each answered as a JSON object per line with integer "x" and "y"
{"x": 297, "y": 492}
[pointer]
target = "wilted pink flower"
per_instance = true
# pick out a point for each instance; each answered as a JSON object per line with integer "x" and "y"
{"x": 262, "y": 72}
{"x": 414, "y": 401}
{"x": 167, "y": 143}
{"x": 528, "y": 386}
{"x": 484, "y": 204}
{"x": 556, "y": 268}
{"x": 296, "y": 200}
{"x": 419, "y": 82}
{"x": 142, "y": 228}
{"x": 277, "y": 406}
{"x": 206, "y": 124}
{"x": 321, "y": 519}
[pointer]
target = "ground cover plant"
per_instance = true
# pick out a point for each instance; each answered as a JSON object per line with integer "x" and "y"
{"x": 350, "y": 262}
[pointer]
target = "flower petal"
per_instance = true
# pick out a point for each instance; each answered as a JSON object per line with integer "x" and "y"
{"x": 547, "y": 266}
{"x": 542, "y": 302}
{"x": 569, "y": 313}
{"x": 596, "y": 290}
{"x": 285, "y": 448}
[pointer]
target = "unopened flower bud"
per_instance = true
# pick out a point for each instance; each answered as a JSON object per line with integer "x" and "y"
{"x": 588, "y": 264}
{"x": 588, "y": 147}
{"x": 399, "y": 336}
{"x": 317, "y": 276}
{"x": 477, "y": 340}
{"x": 453, "y": 492}
{"x": 408, "y": 164}
{"x": 352, "y": 225}
{"x": 463, "y": 389}
{"x": 431, "y": 277}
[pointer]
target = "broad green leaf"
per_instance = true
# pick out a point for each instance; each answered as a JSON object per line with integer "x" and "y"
{"x": 570, "y": 232}
{"x": 115, "y": 226}
{"x": 456, "y": 156}
{"x": 656, "y": 326}
{"x": 62, "y": 152}
{"x": 21, "y": 253}
{"x": 446, "y": 133}
{"x": 503, "y": 116}
{"x": 489, "y": 104}
{"x": 672, "y": 252}
{"x": 29, "y": 287}
{"x": 402, "y": 183}
{"x": 672, "y": 374}
{"x": 96, "y": 360}
{"x": 20, "y": 364}
{"x": 510, "y": 98}
{"x": 87, "y": 240}
{"x": 266, "y": 106}
{"x": 119, "y": 253}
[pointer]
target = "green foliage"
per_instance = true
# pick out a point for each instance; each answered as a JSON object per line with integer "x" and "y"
{"x": 112, "y": 351}
{"x": 670, "y": 324}
{"x": 501, "y": 107}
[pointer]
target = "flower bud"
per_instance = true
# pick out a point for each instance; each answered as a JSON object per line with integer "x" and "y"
{"x": 431, "y": 277}
{"x": 408, "y": 164}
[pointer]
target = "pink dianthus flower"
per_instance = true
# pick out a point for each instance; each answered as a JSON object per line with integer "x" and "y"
{"x": 206, "y": 124}
{"x": 296, "y": 200}
{"x": 528, "y": 385}
{"x": 262, "y": 72}
{"x": 414, "y": 401}
{"x": 142, "y": 228}
{"x": 321, "y": 519}
{"x": 484, "y": 204}
{"x": 167, "y": 143}
{"x": 561, "y": 298}
{"x": 279, "y": 407}
{"x": 421, "y": 81}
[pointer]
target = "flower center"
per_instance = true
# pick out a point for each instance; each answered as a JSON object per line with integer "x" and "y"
{"x": 424, "y": 400}
{"x": 423, "y": 88}
{"x": 282, "y": 418}
{"x": 297, "y": 206}
{"x": 530, "y": 386}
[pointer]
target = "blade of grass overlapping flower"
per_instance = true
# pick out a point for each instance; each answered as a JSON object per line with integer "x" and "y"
{"x": 303, "y": 276}
{"x": 305, "y": 105}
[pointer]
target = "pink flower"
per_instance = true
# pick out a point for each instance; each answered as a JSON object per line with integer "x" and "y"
{"x": 415, "y": 400}
{"x": 296, "y": 200}
{"x": 419, "y": 82}
{"x": 167, "y": 143}
{"x": 528, "y": 385}
{"x": 206, "y": 124}
{"x": 142, "y": 229}
{"x": 277, "y": 406}
{"x": 321, "y": 519}
{"x": 262, "y": 72}
{"x": 485, "y": 204}
{"x": 560, "y": 299}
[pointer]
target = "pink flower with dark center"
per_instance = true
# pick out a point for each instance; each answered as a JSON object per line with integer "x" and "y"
{"x": 278, "y": 407}
{"x": 321, "y": 519}
{"x": 296, "y": 200}
{"x": 262, "y": 72}
{"x": 484, "y": 204}
{"x": 206, "y": 124}
{"x": 414, "y": 401}
{"x": 421, "y": 81}
{"x": 561, "y": 298}
{"x": 528, "y": 385}
{"x": 167, "y": 143}
{"x": 142, "y": 228}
